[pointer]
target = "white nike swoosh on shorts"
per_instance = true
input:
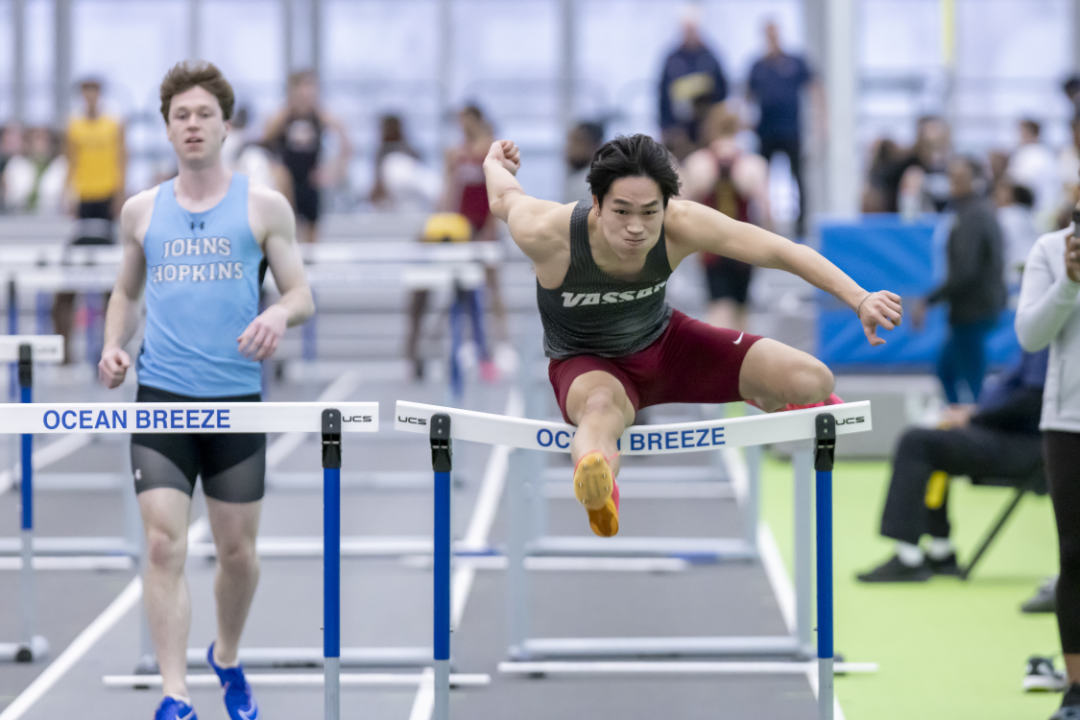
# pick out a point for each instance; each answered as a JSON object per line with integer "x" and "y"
{"x": 739, "y": 339}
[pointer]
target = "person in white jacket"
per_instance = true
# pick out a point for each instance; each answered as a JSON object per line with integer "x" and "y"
{"x": 1048, "y": 313}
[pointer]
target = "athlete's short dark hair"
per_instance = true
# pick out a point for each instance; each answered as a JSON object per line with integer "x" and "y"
{"x": 633, "y": 156}
{"x": 185, "y": 75}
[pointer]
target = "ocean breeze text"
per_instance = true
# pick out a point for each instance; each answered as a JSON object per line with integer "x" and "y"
{"x": 139, "y": 419}
{"x": 647, "y": 441}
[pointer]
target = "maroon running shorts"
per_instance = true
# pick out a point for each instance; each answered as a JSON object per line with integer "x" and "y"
{"x": 691, "y": 362}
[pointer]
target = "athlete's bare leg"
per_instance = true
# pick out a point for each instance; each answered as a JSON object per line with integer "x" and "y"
{"x": 774, "y": 374}
{"x": 599, "y": 406}
{"x": 165, "y": 513}
{"x": 235, "y": 526}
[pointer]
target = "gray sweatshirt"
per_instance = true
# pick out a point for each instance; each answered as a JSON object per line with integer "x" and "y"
{"x": 1049, "y": 314}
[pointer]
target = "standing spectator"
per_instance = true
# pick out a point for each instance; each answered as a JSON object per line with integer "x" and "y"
{"x": 465, "y": 192}
{"x": 974, "y": 287}
{"x": 296, "y": 134}
{"x": 691, "y": 82}
{"x": 1049, "y": 314}
{"x": 776, "y": 83}
{"x": 1071, "y": 88}
{"x": 723, "y": 176}
{"x": 1032, "y": 164}
{"x": 96, "y": 172}
{"x": 582, "y": 142}
{"x": 97, "y": 158}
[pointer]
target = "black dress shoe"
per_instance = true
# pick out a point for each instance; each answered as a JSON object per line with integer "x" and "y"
{"x": 945, "y": 566}
{"x": 894, "y": 570}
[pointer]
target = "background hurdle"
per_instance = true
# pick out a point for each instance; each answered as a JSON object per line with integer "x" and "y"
{"x": 25, "y": 350}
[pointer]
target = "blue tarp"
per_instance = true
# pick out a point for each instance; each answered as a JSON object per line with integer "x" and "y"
{"x": 883, "y": 252}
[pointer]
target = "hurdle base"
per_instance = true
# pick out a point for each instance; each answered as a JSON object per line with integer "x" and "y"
{"x": 705, "y": 550}
{"x": 378, "y": 680}
{"x": 656, "y": 647}
{"x": 624, "y": 667}
{"x": 312, "y": 657}
{"x": 22, "y": 652}
{"x": 71, "y": 546}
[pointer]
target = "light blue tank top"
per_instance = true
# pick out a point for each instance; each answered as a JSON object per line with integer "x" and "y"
{"x": 203, "y": 273}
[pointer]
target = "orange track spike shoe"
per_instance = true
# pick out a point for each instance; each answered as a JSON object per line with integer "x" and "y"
{"x": 596, "y": 489}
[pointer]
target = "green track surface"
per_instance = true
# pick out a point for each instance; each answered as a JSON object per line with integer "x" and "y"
{"x": 947, "y": 649}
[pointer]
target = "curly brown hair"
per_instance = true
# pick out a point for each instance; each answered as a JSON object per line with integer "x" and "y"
{"x": 199, "y": 73}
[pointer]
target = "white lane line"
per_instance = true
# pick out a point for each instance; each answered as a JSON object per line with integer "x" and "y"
{"x": 44, "y": 456}
{"x": 130, "y": 595}
{"x": 773, "y": 563}
{"x": 81, "y": 645}
{"x": 424, "y": 703}
{"x": 483, "y": 517}
{"x": 476, "y": 537}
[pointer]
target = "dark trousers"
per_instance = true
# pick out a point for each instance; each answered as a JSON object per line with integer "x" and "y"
{"x": 791, "y": 147}
{"x": 963, "y": 359}
{"x": 1063, "y": 476}
{"x": 973, "y": 451}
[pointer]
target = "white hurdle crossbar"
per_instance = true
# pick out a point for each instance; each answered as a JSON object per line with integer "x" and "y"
{"x": 819, "y": 425}
{"x": 331, "y": 419}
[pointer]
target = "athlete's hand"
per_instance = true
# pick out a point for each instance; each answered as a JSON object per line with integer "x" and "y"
{"x": 1072, "y": 258}
{"x": 881, "y": 308}
{"x": 260, "y": 339}
{"x": 505, "y": 153}
{"x": 113, "y": 366}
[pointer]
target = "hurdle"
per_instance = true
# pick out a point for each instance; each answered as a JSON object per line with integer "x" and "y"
{"x": 331, "y": 419}
{"x": 820, "y": 426}
{"x": 25, "y": 350}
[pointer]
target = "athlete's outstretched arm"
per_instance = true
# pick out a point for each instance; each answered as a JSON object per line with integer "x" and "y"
{"x": 122, "y": 315}
{"x": 275, "y": 218}
{"x": 533, "y": 222}
{"x": 693, "y": 227}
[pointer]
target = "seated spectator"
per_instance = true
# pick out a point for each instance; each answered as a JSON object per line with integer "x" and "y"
{"x": 33, "y": 182}
{"x": 402, "y": 181}
{"x": 1032, "y": 165}
{"x": 583, "y": 140}
{"x": 924, "y": 184}
{"x": 999, "y": 437}
{"x": 1016, "y": 216}
{"x": 882, "y": 189}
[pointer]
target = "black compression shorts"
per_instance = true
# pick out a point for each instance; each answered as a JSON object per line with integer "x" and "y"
{"x": 232, "y": 465}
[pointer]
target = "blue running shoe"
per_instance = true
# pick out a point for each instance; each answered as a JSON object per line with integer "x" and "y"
{"x": 239, "y": 702}
{"x": 172, "y": 709}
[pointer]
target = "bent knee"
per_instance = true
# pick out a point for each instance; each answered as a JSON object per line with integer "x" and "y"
{"x": 811, "y": 382}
